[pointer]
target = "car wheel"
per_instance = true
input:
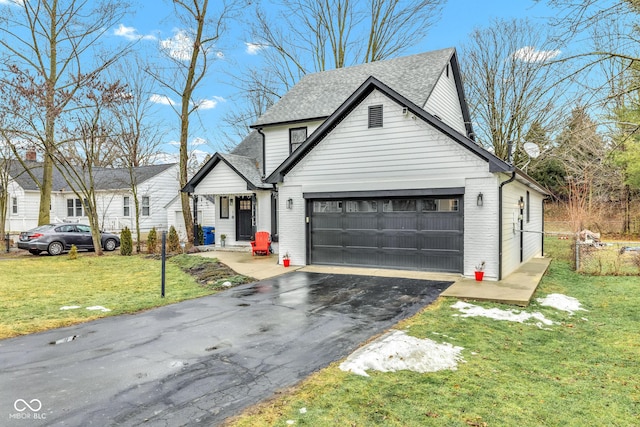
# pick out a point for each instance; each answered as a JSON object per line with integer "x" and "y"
{"x": 109, "y": 245}
{"x": 55, "y": 248}
{"x": 35, "y": 251}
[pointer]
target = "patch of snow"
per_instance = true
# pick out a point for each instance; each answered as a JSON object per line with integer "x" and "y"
{"x": 99, "y": 307}
{"x": 471, "y": 310}
{"x": 69, "y": 307}
{"x": 397, "y": 351}
{"x": 561, "y": 302}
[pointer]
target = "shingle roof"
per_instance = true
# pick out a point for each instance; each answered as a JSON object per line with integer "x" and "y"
{"x": 318, "y": 95}
{"x": 245, "y": 159}
{"x": 104, "y": 178}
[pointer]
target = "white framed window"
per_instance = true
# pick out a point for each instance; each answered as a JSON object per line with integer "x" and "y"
{"x": 126, "y": 207}
{"x": 14, "y": 205}
{"x": 146, "y": 206}
{"x": 224, "y": 207}
{"x": 74, "y": 207}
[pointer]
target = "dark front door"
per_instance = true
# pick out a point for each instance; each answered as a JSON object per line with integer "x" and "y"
{"x": 244, "y": 210}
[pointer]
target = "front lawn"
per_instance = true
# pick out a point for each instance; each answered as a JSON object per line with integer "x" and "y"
{"x": 580, "y": 371}
{"x": 44, "y": 292}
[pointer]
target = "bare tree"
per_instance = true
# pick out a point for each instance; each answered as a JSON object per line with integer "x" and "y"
{"x": 309, "y": 35}
{"x": 510, "y": 83}
{"x": 48, "y": 54}
{"x": 190, "y": 54}
{"x": 90, "y": 131}
{"x": 137, "y": 135}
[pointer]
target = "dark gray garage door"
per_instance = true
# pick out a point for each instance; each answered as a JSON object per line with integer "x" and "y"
{"x": 424, "y": 233}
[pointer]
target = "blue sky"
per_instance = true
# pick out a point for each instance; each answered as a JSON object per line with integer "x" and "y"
{"x": 153, "y": 21}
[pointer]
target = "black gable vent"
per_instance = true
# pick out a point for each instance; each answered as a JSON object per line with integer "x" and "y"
{"x": 375, "y": 116}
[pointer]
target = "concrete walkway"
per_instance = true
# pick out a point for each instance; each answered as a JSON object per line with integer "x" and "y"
{"x": 516, "y": 289}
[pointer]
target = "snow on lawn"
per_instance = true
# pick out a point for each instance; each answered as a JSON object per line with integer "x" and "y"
{"x": 471, "y": 310}
{"x": 398, "y": 351}
{"x": 95, "y": 307}
{"x": 561, "y": 302}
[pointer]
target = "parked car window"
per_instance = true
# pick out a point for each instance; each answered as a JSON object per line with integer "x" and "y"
{"x": 83, "y": 228}
{"x": 65, "y": 229}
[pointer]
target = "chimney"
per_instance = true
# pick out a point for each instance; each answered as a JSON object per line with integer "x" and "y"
{"x": 31, "y": 155}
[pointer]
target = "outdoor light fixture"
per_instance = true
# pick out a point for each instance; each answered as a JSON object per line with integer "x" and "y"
{"x": 479, "y": 200}
{"x": 521, "y": 204}
{"x": 289, "y": 203}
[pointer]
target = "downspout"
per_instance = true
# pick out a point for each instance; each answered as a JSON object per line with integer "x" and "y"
{"x": 196, "y": 240}
{"x": 502, "y": 184}
{"x": 264, "y": 153}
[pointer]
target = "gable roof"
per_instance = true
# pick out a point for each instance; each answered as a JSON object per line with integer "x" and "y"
{"x": 245, "y": 160}
{"x": 495, "y": 164}
{"x": 104, "y": 178}
{"x": 318, "y": 95}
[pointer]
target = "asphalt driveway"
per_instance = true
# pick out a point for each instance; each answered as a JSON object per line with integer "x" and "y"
{"x": 199, "y": 361}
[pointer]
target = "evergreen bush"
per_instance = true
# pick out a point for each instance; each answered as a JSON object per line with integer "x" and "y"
{"x": 73, "y": 253}
{"x": 152, "y": 241}
{"x": 126, "y": 242}
{"x": 200, "y": 235}
{"x": 173, "y": 241}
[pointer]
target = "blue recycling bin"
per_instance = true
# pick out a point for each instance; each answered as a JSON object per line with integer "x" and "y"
{"x": 209, "y": 235}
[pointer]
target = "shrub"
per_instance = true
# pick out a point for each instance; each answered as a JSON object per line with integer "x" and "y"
{"x": 126, "y": 242}
{"x": 200, "y": 235}
{"x": 73, "y": 253}
{"x": 173, "y": 241}
{"x": 152, "y": 241}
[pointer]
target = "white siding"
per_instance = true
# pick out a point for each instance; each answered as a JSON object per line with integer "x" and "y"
{"x": 277, "y": 143}
{"x": 444, "y": 102}
{"x": 532, "y": 239}
{"x": 406, "y": 153}
{"x": 263, "y": 211}
{"x": 222, "y": 180}
{"x": 481, "y": 226}
{"x": 27, "y": 215}
{"x": 292, "y": 225}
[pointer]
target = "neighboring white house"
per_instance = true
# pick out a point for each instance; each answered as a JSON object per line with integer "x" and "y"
{"x": 157, "y": 185}
{"x": 206, "y": 214}
{"x": 375, "y": 165}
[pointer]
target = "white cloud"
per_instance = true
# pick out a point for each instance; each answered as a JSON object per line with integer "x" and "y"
{"x": 130, "y": 33}
{"x": 161, "y": 99}
{"x": 179, "y": 46}
{"x": 12, "y": 2}
{"x": 531, "y": 54}
{"x": 254, "y": 48}
{"x": 197, "y": 141}
{"x": 208, "y": 104}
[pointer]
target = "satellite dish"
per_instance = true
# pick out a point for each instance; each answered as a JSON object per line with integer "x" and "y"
{"x": 531, "y": 149}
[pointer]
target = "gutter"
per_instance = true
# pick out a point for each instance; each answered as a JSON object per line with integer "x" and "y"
{"x": 502, "y": 184}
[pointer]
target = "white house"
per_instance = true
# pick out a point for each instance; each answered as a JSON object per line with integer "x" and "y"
{"x": 375, "y": 165}
{"x": 156, "y": 186}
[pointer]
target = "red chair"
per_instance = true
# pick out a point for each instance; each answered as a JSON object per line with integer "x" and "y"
{"x": 261, "y": 244}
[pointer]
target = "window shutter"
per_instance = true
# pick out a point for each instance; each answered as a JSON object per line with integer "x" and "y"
{"x": 375, "y": 116}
